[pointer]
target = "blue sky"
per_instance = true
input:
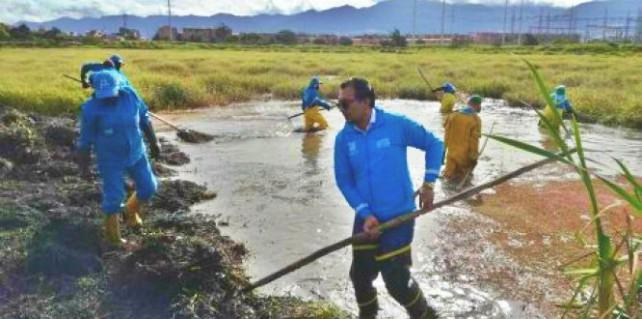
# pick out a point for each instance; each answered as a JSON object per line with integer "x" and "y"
{"x": 12, "y": 11}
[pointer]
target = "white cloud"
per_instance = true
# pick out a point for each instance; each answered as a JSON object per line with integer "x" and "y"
{"x": 12, "y": 11}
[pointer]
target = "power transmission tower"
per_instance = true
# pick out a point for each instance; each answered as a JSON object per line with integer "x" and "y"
{"x": 505, "y": 21}
{"x": 512, "y": 20}
{"x": 540, "y": 21}
{"x": 548, "y": 22}
{"x": 169, "y": 20}
{"x": 443, "y": 21}
{"x": 604, "y": 27}
{"x": 570, "y": 21}
{"x": 521, "y": 21}
{"x": 627, "y": 26}
{"x": 452, "y": 22}
{"x": 639, "y": 26}
{"x": 414, "y": 20}
{"x": 125, "y": 20}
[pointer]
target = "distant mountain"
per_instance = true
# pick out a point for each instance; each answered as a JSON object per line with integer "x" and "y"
{"x": 610, "y": 8}
{"x": 381, "y": 18}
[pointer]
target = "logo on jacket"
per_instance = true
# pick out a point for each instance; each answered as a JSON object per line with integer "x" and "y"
{"x": 352, "y": 148}
{"x": 383, "y": 143}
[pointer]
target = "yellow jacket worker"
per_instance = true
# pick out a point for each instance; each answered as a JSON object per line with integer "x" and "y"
{"x": 463, "y": 130}
{"x": 562, "y": 107}
{"x": 446, "y": 95}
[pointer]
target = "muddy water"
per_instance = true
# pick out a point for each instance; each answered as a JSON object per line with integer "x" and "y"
{"x": 278, "y": 196}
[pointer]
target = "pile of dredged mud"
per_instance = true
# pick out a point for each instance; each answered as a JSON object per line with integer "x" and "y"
{"x": 55, "y": 264}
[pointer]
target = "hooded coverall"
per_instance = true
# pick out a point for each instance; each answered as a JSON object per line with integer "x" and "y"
{"x": 93, "y": 67}
{"x": 448, "y": 103}
{"x": 562, "y": 106}
{"x": 310, "y": 102}
{"x": 371, "y": 170}
{"x": 114, "y": 131}
{"x": 462, "y": 133}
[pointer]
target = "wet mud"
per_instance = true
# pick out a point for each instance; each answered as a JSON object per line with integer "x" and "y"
{"x": 55, "y": 264}
{"x": 277, "y": 195}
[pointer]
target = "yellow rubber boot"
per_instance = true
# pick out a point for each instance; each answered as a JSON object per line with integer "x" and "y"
{"x": 132, "y": 212}
{"x": 112, "y": 231}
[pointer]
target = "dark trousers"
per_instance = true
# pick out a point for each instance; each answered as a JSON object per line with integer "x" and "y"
{"x": 366, "y": 266}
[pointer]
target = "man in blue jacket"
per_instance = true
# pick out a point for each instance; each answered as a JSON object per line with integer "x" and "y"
{"x": 112, "y": 123}
{"x": 310, "y": 103}
{"x": 371, "y": 170}
{"x": 113, "y": 62}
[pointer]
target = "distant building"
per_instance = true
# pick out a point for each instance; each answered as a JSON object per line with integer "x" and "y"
{"x": 369, "y": 39}
{"x": 95, "y": 34}
{"x": 431, "y": 39}
{"x": 129, "y": 34}
{"x": 487, "y": 37}
{"x": 163, "y": 33}
{"x": 198, "y": 34}
{"x": 329, "y": 39}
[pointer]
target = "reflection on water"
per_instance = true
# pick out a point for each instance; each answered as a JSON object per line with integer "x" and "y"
{"x": 310, "y": 147}
{"x": 277, "y": 190}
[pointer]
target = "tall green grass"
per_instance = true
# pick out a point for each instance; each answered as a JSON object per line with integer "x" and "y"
{"x": 609, "y": 295}
{"x": 605, "y": 87}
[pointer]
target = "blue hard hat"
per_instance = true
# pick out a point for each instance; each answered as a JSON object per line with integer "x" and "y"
{"x": 105, "y": 84}
{"x": 116, "y": 59}
{"x": 560, "y": 90}
{"x": 449, "y": 87}
{"x": 315, "y": 81}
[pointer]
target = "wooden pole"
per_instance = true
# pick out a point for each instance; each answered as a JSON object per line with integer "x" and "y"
{"x": 459, "y": 96}
{"x": 421, "y": 73}
{"x": 396, "y": 222}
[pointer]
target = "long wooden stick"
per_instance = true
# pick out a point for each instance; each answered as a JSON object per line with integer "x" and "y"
{"x": 395, "y": 222}
{"x": 301, "y": 113}
{"x": 72, "y": 78}
{"x": 421, "y": 73}
{"x": 458, "y": 95}
{"x": 170, "y": 124}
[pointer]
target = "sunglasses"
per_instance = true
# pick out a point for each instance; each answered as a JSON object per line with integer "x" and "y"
{"x": 344, "y": 104}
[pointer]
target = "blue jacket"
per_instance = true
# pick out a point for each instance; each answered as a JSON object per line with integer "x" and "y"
{"x": 311, "y": 98}
{"x": 114, "y": 130}
{"x": 561, "y": 102}
{"x": 371, "y": 168}
{"x": 96, "y": 67}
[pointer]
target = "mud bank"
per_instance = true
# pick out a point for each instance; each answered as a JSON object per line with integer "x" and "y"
{"x": 54, "y": 264}
{"x": 541, "y": 227}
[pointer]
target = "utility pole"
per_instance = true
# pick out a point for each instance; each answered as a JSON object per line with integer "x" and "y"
{"x": 570, "y": 21}
{"x": 627, "y": 26}
{"x": 169, "y": 20}
{"x": 638, "y": 30}
{"x": 512, "y": 20}
{"x": 521, "y": 21}
{"x": 414, "y": 21}
{"x": 605, "y": 24}
{"x": 548, "y": 23}
{"x": 443, "y": 21}
{"x": 452, "y": 22}
{"x": 505, "y": 21}
{"x": 540, "y": 19}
